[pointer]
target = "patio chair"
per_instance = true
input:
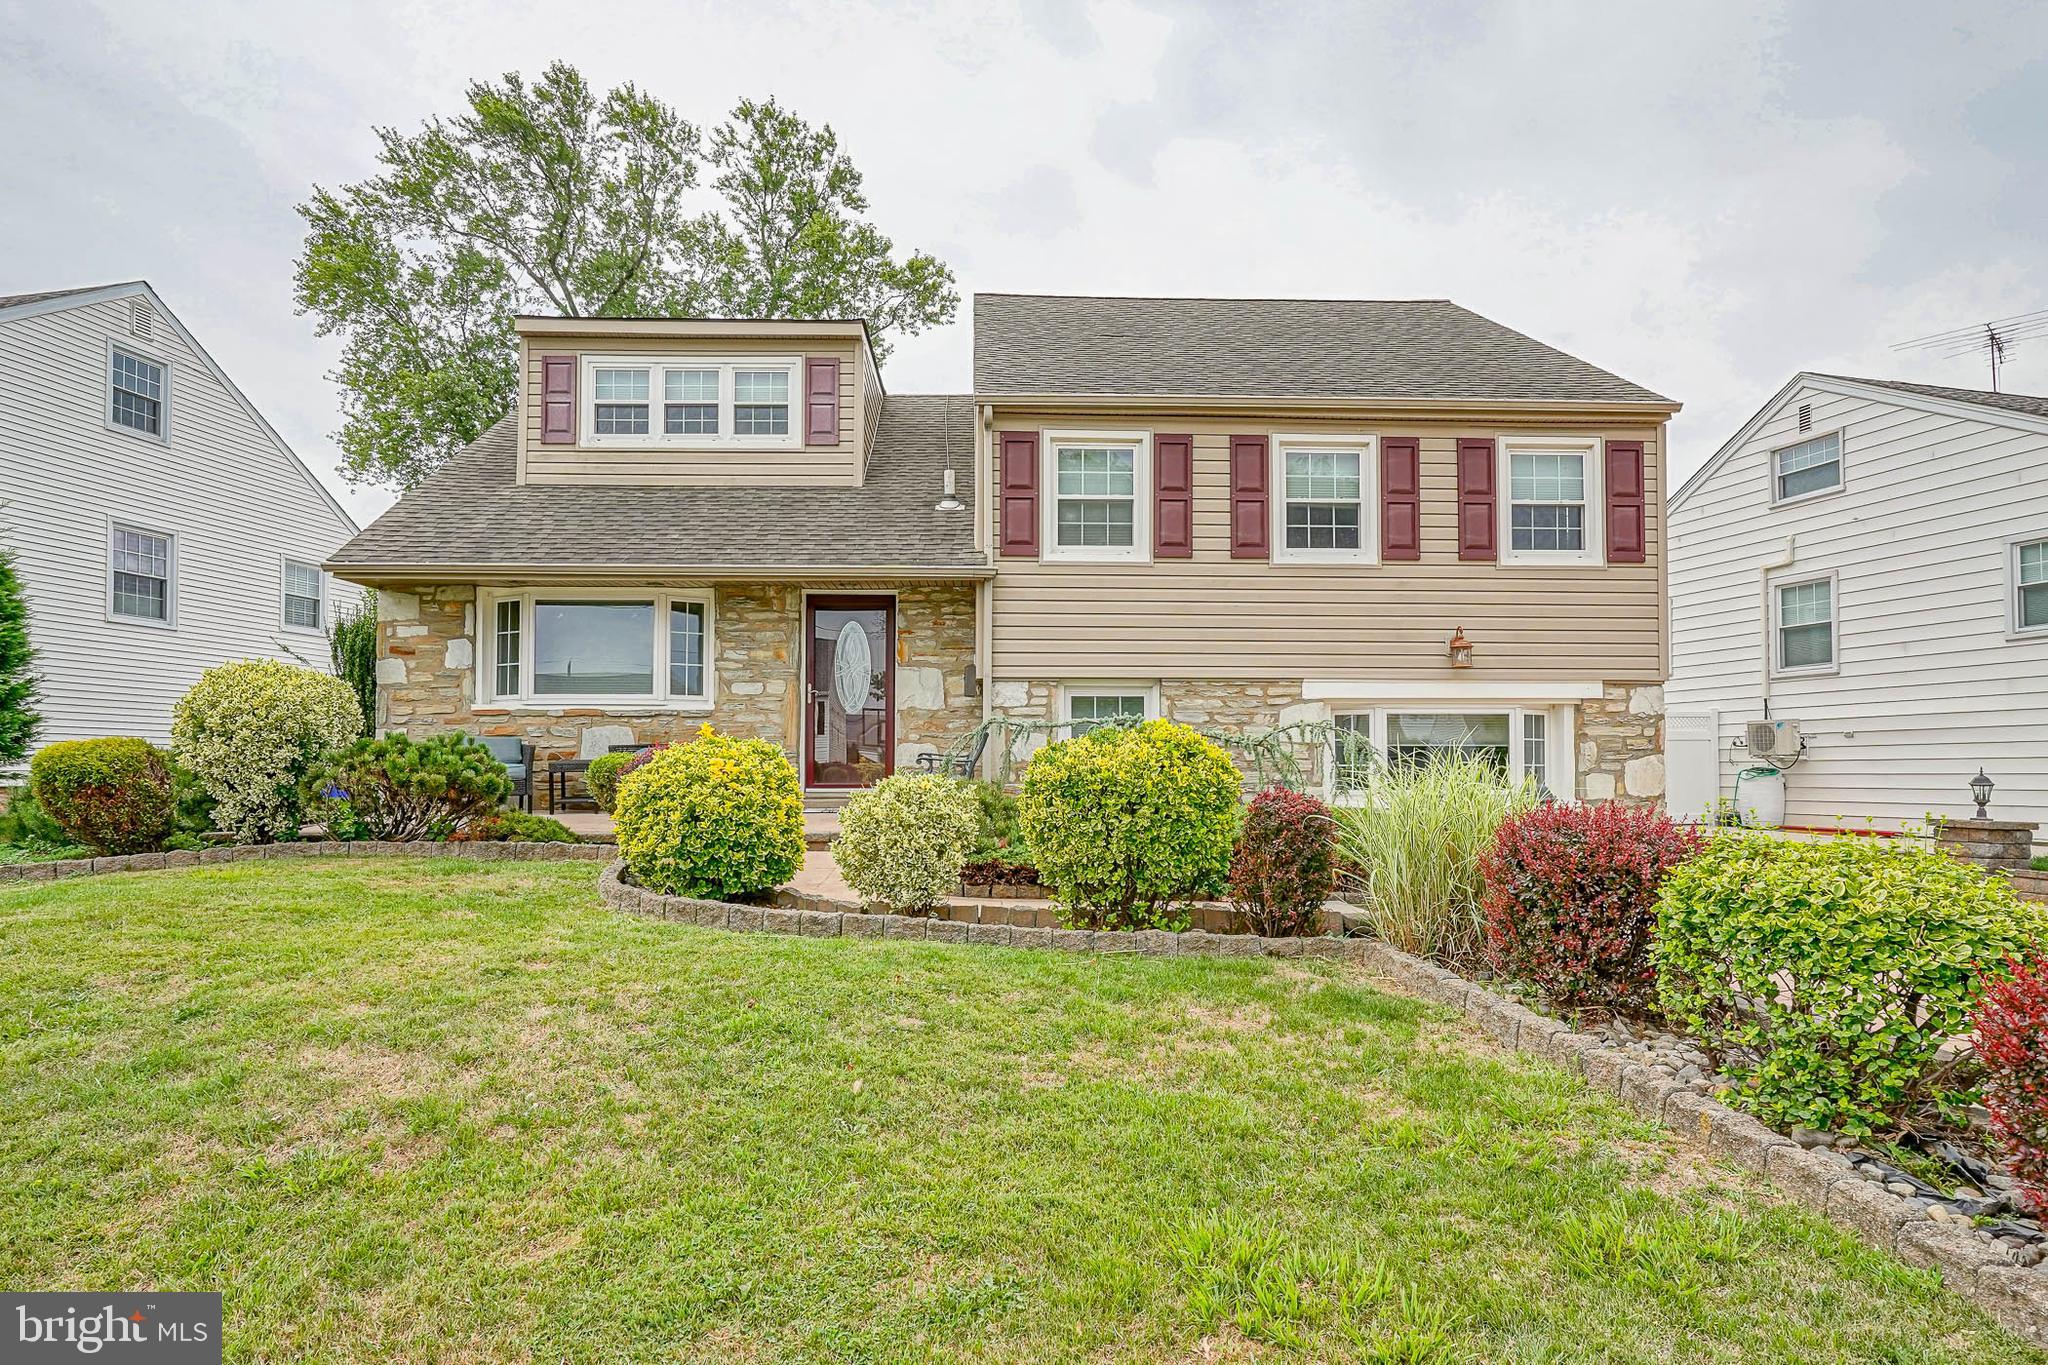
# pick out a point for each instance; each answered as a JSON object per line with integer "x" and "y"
{"x": 963, "y": 766}
{"x": 517, "y": 756}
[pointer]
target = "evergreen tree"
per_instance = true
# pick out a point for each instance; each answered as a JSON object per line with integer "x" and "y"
{"x": 18, "y": 718}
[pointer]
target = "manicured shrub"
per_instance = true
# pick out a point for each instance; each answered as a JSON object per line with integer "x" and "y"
{"x": 18, "y": 718}
{"x": 111, "y": 795}
{"x": 1411, "y": 847}
{"x": 399, "y": 789}
{"x": 1284, "y": 863}
{"x": 1571, "y": 900}
{"x": 515, "y": 826}
{"x": 1128, "y": 824}
{"x": 902, "y": 841}
{"x": 251, "y": 731}
{"x": 352, "y": 647}
{"x": 1825, "y": 976}
{"x": 718, "y": 817}
{"x": 2011, "y": 1027}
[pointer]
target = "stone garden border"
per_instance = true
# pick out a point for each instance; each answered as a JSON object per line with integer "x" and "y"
{"x": 2016, "y": 1296}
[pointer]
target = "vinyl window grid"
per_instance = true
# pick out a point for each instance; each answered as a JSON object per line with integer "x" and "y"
{"x": 1809, "y": 468}
{"x": 142, "y": 575}
{"x": 652, "y": 402}
{"x": 681, "y": 650}
{"x": 1549, "y": 505}
{"x": 1098, "y": 497}
{"x": 1316, "y": 499}
{"x": 303, "y": 597}
{"x": 1084, "y": 706}
{"x": 2027, "y": 562}
{"x": 1529, "y": 752}
{"x": 138, "y": 392}
{"x": 1807, "y": 605}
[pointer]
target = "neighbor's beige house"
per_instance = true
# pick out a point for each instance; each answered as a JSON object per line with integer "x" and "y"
{"x": 1236, "y": 513}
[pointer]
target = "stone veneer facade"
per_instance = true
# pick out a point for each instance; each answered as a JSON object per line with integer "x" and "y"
{"x": 1620, "y": 743}
{"x": 426, "y": 655}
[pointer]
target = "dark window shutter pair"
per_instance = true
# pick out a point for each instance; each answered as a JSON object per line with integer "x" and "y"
{"x": 558, "y": 400}
{"x": 1173, "y": 495}
{"x": 1251, "y": 498}
{"x": 1478, "y": 497}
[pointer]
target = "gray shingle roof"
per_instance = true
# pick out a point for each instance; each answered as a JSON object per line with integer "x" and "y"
{"x": 12, "y": 300}
{"x": 1296, "y": 348}
{"x": 2025, "y": 403}
{"x": 471, "y": 512}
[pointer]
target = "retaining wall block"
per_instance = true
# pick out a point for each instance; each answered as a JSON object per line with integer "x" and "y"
{"x": 864, "y": 926}
{"x": 995, "y": 935}
{"x": 1738, "y": 1138}
{"x": 10, "y": 872}
{"x": 819, "y": 923}
{"x": 1285, "y": 947}
{"x": 1689, "y": 1114}
{"x": 776, "y": 921}
{"x": 1647, "y": 1090}
{"x": 181, "y": 857}
{"x": 2017, "y": 1298}
{"x": 1873, "y": 1211}
{"x": 77, "y": 868}
{"x": 1958, "y": 1253}
{"x": 946, "y": 931}
{"x": 1568, "y": 1050}
{"x": 1326, "y": 948}
{"x": 906, "y": 926}
{"x": 1603, "y": 1067}
{"x": 1497, "y": 1018}
{"x": 1030, "y": 936}
{"x": 1069, "y": 940}
{"x": 1805, "y": 1177}
{"x": 746, "y": 919}
{"x": 217, "y": 853}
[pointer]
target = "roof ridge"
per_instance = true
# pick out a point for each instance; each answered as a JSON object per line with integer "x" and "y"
{"x": 1922, "y": 384}
{"x": 1203, "y": 298}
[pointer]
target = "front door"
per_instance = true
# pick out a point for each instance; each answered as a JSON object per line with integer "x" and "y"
{"x": 849, "y": 690}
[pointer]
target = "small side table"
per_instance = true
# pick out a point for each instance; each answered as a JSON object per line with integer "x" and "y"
{"x": 559, "y": 773}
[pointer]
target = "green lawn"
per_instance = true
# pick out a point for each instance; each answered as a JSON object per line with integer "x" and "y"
{"x": 436, "y": 1110}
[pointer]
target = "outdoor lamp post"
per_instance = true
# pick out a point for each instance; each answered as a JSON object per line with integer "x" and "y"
{"x": 1980, "y": 788}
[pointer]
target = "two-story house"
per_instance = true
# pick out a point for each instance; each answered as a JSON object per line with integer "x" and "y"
{"x": 159, "y": 524}
{"x": 1867, "y": 559}
{"x": 1237, "y": 513}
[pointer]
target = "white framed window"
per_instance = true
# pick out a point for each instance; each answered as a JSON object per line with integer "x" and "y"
{"x": 138, "y": 392}
{"x": 1327, "y": 492}
{"x": 690, "y": 402}
{"x": 1807, "y": 469}
{"x": 1525, "y": 743}
{"x": 1098, "y": 497}
{"x": 142, "y": 575}
{"x": 1083, "y": 706}
{"x": 2028, "y": 563}
{"x": 1550, "y": 495}
{"x": 597, "y": 647}
{"x": 1804, "y": 625}
{"x": 303, "y": 604}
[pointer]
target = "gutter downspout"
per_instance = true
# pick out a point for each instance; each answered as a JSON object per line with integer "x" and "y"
{"x": 984, "y": 590}
{"x": 1787, "y": 554}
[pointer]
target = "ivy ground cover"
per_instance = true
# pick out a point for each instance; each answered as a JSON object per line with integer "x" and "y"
{"x": 428, "y": 1110}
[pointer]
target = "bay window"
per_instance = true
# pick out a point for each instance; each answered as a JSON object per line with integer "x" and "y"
{"x": 1551, "y": 500}
{"x": 649, "y": 402}
{"x": 569, "y": 647}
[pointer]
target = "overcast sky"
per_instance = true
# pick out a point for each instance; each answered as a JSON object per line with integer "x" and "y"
{"x": 1703, "y": 198}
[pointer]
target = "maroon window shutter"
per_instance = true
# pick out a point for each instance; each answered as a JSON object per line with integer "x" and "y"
{"x": 558, "y": 400}
{"x": 1627, "y": 538}
{"x": 1173, "y": 497}
{"x": 821, "y": 401}
{"x": 1401, "y": 498}
{"x": 1476, "y": 513}
{"x": 1017, "y": 526}
{"x": 1249, "y": 538}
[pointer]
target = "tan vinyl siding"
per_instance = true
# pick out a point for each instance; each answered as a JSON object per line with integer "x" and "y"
{"x": 815, "y": 465}
{"x": 1214, "y": 617}
{"x": 871, "y": 395}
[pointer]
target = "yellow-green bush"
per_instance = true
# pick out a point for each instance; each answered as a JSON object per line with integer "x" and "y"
{"x": 250, "y": 731}
{"x": 719, "y": 818}
{"x": 1128, "y": 824}
{"x": 903, "y": 841}
{"x": 110, "y": 795}
{"x": 1825, "y": 976}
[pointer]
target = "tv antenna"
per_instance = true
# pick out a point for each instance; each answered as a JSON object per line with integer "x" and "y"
{"x": 1995, "y": 340}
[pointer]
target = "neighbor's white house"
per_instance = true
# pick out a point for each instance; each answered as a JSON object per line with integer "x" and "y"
{"x": 1868, "y": 559}
{"x": 158, "y": 523}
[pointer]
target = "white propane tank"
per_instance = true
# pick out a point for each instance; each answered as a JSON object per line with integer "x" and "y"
{"x": 1760, "y": 797}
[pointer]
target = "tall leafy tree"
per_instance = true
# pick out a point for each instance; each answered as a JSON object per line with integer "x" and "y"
{"x": 18, "y": 718}
{"x": 547, "y": 198}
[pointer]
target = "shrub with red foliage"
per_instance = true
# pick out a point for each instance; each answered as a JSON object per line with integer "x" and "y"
{"x": 1284, "y": 862}
{"x": 2011, "y": 1023}
{"x": 1571, "y": 900}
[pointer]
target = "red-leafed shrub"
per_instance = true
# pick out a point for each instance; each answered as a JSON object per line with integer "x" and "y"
{"x": 1285, "y": 860}
{"x": 1571, "y": 900}
{"x": 2011, "y": 1023}
{"x": 111, "y": 795}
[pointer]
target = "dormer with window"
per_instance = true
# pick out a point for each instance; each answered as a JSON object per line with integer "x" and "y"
{"x": 696, "y": 401}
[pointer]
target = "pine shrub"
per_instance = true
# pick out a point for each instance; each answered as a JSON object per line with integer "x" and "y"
{"x": 1284, "y": 863}
{"x": 1571, "y": 900}
{"x": 18, "y": 719}
{"x": 395, "y": 788}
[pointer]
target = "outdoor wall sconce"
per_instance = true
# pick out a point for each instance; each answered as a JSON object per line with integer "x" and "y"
{"x": 1461, "y": 649}
{"x": 1980, "y": 788}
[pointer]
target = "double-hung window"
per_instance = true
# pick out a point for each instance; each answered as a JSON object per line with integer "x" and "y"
{"x": 304, "y": 596}
{"x": 690, "y": 402}
{"x": 603, "y": 649}
{"x": 1810, "y": 467}
{"x": 1552, "y": 499}
{"x": 141, "y": 569}
{"x": 137, "y": 389}
{"x": 2030, "y": 586}
{"x": 1089, "y": 707}
{"x": 1805, "y": 626}
{"x": 1098, "y": 507}
{"x": 1515, "y": 742}
{"x": 1325, "y": 508}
